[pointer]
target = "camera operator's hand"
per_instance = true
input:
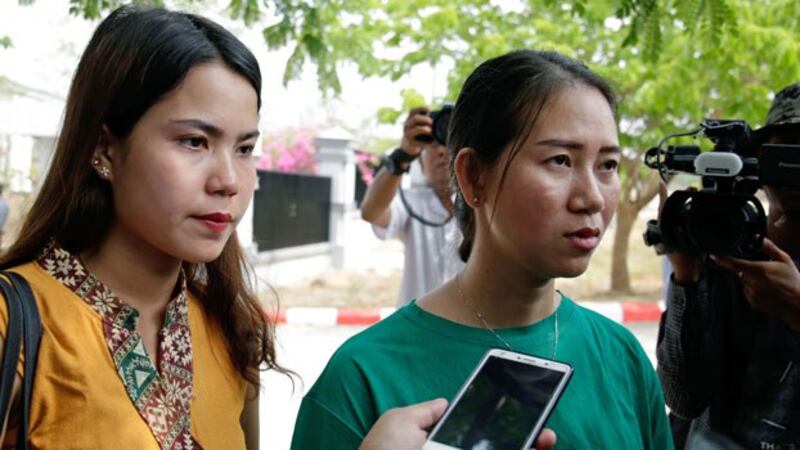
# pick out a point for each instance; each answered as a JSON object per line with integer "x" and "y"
{"x": 770, "y": 286}
{"x": 686, "y": 269}
{"x": 405, "y": 428}
{"x": 418, "y": 123}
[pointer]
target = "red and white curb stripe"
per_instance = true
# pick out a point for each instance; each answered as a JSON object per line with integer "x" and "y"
{"x": 622, "y": 312}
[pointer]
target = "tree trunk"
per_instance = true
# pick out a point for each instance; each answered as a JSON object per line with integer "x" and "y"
{"x": 620, "y": 277}
{"x": 637, "y": 191}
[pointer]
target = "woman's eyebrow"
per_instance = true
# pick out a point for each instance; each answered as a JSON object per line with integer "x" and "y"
{"x": 574, "y": 145}
{"x": 563, "y": 143}
{"x": 212, "y": 130}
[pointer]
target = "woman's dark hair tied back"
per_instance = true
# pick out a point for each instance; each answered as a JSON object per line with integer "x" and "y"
{"x": 498, "y": 106}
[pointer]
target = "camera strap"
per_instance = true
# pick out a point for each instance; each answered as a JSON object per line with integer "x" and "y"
{"x": 419, "y": 218}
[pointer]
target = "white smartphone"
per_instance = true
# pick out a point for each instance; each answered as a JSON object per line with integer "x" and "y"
{"x": 503, "y": 405}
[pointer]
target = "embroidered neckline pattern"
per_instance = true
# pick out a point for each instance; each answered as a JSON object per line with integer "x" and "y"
{"x": 162, "y": 399}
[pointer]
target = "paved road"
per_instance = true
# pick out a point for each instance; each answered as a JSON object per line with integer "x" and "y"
{"x": 306, "y": 349}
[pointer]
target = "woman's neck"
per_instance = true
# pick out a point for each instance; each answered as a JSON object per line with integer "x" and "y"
{"x": 140, "y": 275}
{"x": 489, "y": 293}
{"x": 505, "y": 297}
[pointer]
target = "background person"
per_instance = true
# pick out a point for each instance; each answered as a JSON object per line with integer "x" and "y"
{"x": 431, "y": 239}
{"x": 535, "y": 156}
{"x": 729, "y": 341}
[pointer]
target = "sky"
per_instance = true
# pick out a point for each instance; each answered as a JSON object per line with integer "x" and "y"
{"x": 47, "y": 43}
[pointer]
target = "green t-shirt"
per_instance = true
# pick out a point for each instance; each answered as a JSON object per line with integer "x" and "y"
{"x": 614, "y": 399}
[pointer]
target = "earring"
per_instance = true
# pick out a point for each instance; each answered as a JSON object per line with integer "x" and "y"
{"x": 476, "y": 199}
{"x": 96, "y": 161}
{"x": 104, "y": 172}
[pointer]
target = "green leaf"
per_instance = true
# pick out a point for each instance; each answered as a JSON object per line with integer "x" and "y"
{"x": 412, "y": 99}
{"x": 252, "y": 12}
{"x": 278, "y": 35}
{"x": 652, "y": 36}
{"x": 294, "y": 65}
{"x": 388, "y": 115}
{"x": 314, "y": 45}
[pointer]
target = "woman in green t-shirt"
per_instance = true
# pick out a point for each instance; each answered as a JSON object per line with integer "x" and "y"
{"x": 535, "y": 157}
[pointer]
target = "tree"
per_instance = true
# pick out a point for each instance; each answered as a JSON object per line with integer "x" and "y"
{"x": 673, "y": 62}
{"x": 695, "y": 59}
{"x": 731, "y": 77}
{"x": 330, "y": 32}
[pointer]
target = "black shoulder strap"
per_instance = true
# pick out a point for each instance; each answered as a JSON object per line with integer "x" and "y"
{"x": 11, "y": 350}
{"x": 19, "y": 292}
{"x": 32, "y": 335}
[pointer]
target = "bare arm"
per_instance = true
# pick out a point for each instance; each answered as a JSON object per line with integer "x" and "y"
{"x": 375, "y": 207}
{"x": 249, "y": 419}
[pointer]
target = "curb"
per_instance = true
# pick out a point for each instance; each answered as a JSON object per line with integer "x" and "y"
{"x": 621, "y": 312}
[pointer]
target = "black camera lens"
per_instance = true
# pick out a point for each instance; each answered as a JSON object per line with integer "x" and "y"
{"x": 441, "y": 120}
{"x": 717, "y": 225}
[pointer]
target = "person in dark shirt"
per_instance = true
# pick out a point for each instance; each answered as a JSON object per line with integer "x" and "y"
{"x": 729, "y": 342}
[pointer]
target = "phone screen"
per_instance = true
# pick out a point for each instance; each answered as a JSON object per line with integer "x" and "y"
{"x": 500, "y": 407}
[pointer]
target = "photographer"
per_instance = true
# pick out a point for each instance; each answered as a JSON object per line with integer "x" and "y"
{"x": 421, "y": 217}
{"x": 729, "y": 343}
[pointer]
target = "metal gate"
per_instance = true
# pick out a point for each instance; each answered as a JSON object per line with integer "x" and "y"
{"x": 290, "y": 210}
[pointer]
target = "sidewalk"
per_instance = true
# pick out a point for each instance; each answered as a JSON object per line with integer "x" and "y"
{"x": 621, "y": 312}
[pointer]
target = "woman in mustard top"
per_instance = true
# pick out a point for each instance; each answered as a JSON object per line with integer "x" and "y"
{"x": 151, "y": 336}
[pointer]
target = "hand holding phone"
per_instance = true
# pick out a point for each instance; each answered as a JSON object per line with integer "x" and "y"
{"x": 504, "y": 404}
{"x": 404, "y": 428}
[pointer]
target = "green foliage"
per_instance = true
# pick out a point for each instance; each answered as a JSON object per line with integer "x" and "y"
{"x": 5, "y": 42}
{"x": 389, "y": 115}
{"x": 673, "y": 62}
{"x": 411, "y": 99}
{"x": 247, "y": 10}
{"x": 710, "y": 19}
{"x": 368, "y": 32}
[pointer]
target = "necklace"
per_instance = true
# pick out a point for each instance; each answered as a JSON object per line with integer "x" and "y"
{"x": 493, "y": 332}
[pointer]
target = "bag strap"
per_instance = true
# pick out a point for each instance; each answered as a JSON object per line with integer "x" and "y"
{"x": 32, "y": 334}
{"x": 20, "y": 291}
{"x": 11, "y": 350}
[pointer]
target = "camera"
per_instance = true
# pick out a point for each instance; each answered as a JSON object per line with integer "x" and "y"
{"x": 441, "y": 120}
{"x": 723, "y": 217}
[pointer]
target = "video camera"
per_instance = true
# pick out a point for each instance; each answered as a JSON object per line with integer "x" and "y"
{"x": 441, "y": 120}
{"x": 723, "y": 217}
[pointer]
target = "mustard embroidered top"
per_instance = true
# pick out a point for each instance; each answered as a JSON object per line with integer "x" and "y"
{"x": 95, "y": 386}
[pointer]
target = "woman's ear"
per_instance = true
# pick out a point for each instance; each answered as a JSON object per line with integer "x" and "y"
{"x": 467, "y": 168}
{"x": 104, "y": 154}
